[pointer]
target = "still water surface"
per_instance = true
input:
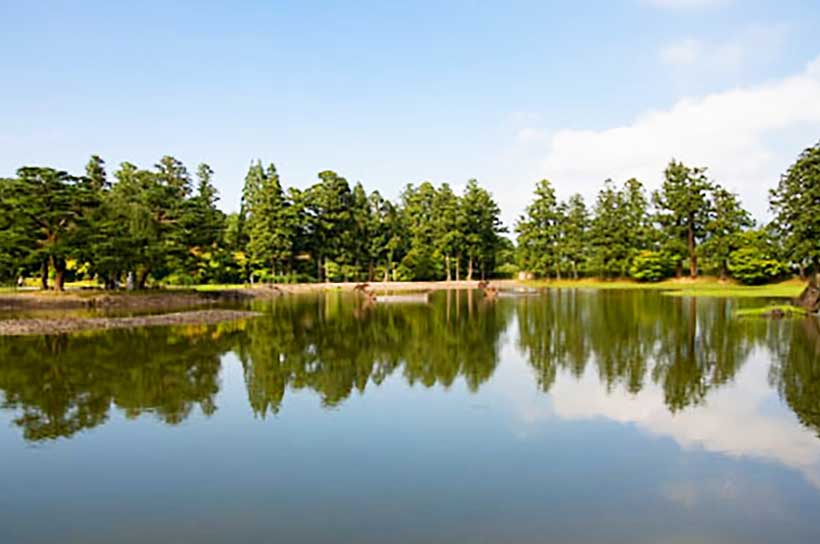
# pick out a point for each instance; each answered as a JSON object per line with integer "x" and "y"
{"x": 571, "y": 416}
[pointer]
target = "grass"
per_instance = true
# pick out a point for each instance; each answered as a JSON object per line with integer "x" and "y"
{"x": 213, "y": 287}
{"x": 787, "y": 309}
{"x": 701, "y": 287}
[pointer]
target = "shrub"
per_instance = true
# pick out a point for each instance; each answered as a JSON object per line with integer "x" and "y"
{"x": 506, "y": 270}
{"x": 751, "y": 266}
{"x": 650, "y": 266}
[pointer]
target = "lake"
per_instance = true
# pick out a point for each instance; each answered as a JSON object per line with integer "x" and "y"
{"x": 569, "y": 416}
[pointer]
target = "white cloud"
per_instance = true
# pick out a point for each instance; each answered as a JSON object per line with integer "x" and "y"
{"x": 744, "y": 419}
{"x": 746, "y": 136}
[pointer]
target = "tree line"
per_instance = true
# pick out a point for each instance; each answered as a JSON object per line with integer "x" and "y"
{"x": 690, "y": 222}
{"x": 163, "y": 225}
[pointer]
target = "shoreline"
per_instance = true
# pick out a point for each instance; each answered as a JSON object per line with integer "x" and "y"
{"x": 203, "y": 295}
{"x": 30, "y": 327}
{"x": 169, "y": 298}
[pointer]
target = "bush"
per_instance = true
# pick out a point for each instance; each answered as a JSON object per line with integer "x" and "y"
{"x": 506, "y": 270}
{"x": 751, "y": 266}
{"x": 650, "y": 266}
{"x": 180, "y": 279}
{"x": 265, "y": 276}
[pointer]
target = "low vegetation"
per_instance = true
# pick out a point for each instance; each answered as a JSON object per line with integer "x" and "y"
{"x": 701, "y": 287}
{"x": 777, "y": 310}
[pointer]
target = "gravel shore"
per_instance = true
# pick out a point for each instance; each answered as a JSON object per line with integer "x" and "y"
{"x": 23, "y": 327}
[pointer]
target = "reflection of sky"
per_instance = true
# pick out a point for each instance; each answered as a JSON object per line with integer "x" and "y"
{"x": 744, "y": 418}
{"x": 403, "y": 463}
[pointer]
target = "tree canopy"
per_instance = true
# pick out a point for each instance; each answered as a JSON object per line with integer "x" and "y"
{"x": 160, "y": 224}
{"x": 163, "y": 225}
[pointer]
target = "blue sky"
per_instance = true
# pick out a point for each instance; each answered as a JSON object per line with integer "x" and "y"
{"x": 390, "y": 93}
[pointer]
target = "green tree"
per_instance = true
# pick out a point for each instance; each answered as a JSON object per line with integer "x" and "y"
{"x": 683, "y": 210}
{"x": 574, "y": 233}
{"x": 636, "y": 223}
{"x": 153, "y": 205}
{"x": 328, "y": 206}
{"x": 362, "y": 231}
{"x": 419, "y": 209}
{"x": 17, "y": 234}
{"x": 795, "y": 202}
{"x": 269, "y": 220}
{"x": 388, "y": 239}
{"x": 446, "y": 234}
{"x": 480, "y": 222}
{"x": 727, "y": 221}
{"x": 538, "y": 231}
{"x": 96, "y": 175}
{"x": 105, "y": 245}
{"x": 53, "y": 206}
{"x": 610, "y": 250}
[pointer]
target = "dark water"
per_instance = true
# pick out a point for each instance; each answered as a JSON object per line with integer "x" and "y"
{"x": 570, "y": 417}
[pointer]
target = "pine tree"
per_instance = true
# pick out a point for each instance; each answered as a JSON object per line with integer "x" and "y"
{"x": 607, "y": 233}
{"x": 538, "y": 231}
{"x": 574, "y": 233}
{"x": 269, "y": 221}
{"x": 481, "y": 225}
{"x": 445, "y": 229}
{"x": 683, "y": 210}
{"x": 726, "y": 223}
{"x": 795, "y": 202}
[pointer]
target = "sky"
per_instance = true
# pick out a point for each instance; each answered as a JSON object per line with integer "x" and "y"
{"x": 390, "y": 93}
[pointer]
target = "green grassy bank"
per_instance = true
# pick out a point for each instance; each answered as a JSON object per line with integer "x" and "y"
{"x": 701, "y": 287}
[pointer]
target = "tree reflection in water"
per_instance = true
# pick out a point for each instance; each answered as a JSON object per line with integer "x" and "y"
{"x": 336, "y": 343}
{"x": 63, "y": 384}
{"x": 796, "y": 370}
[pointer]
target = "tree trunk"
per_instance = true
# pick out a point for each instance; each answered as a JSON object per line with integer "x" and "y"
{"x": 59, "y": 273}
{"x": 816, "y": 271}
{"x": 371, "y": 271}
{"x": 724, "y": 272}
{"x": 470, "y": 269}
{"x": 693, "y": 257}
{"x": 59, "y": 280}
{"x": 574, "y": 270}
{"x": 558, "y": 271}
{"x": 44, "y": 275}
{"x": 319, "y": 268}
{"x": 447, "y": 266}
{"x": 458, "y": 267}
{"x": 142, "y": 278}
